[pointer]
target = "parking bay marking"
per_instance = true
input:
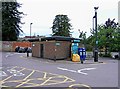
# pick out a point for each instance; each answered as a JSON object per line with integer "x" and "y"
{"x": 45, "y": 80}
{"x": 78, "y": 71}
{"x": 11, "y": 75}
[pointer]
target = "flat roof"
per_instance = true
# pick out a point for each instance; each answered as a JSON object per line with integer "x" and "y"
{"x": 56, "y": 38}
{"x": 59, "y": 38}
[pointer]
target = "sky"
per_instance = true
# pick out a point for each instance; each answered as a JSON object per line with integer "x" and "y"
{"x": 80, "y": 12}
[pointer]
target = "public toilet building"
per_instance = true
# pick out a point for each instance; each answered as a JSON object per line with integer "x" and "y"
{"x": 56, "y": 47}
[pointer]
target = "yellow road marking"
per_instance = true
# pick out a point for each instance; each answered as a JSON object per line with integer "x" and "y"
{"x": 3, "y": 86}
{"x": 29, "y": 75}
{"x": 65, "y": 79}
{"x": 14, "y": 67}
{"x": 80, "y": 85}
{"x": 22, "y": 83}
{"x": 22, "y": 69}
{"x": 8, "y": 77}
{"x": 45, "y": 74}
{"x": 11, "y": 75}
{"x": 46, "y": 81}
{"x": 35, "y": 70}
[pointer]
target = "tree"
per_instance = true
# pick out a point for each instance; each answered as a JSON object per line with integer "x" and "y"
{"x": 107, "y": 35}
{"x": 61, "y": 26}
{"x": 117, "y": 40}
{"x": 83, "y": 37}
{"x": 11, "y": 18}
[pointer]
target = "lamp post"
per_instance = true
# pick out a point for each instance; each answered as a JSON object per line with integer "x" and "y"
{"x": 93, "y": 24}
{"x": 96, "y": 40}
{"x": 30, "y": 29}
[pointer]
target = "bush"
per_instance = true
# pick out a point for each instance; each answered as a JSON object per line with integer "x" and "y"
{"x": 104, "y": 55}
{"x": 107, "y": 55}
{"x": 101, "y": 55}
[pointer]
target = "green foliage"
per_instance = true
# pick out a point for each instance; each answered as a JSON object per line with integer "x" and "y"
{"x": 61, "y": 26}
{"x": 83, "y": 38}
{"x": 105, "y": 55}
{"x": 90, "y": 43}
{"x": 11, "y": 18}
{"x": 108, "y": 37}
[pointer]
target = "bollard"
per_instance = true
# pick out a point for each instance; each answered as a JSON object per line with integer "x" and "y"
{"x": 27, "y": 54}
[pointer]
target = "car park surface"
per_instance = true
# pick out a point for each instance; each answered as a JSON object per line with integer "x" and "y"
{"x": 18, "y": 70}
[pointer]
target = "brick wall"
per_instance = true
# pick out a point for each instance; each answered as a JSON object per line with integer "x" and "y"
{"x": 62, "y": 49}
{"x": 11, "y": 45}
{"x": 20, "y": 44}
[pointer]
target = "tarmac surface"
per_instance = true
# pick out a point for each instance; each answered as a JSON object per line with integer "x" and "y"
{"x": 18, "y": 70}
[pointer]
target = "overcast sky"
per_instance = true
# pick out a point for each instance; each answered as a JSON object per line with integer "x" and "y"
{"x": 42, "y": 13}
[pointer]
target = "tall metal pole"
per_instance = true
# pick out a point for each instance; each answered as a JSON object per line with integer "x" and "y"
{"x": 93, "y": 24}
{"x": 96, "y": 41}
{"x": 30, "y": 29}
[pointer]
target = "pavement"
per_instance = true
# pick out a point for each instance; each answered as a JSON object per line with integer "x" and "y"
{"x": 87, "y": 61}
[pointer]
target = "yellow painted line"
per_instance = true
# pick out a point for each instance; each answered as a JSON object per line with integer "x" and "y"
{"x": 6, "y": 79}
{"x": 29, "y": 75}
{"x": 15, "y": 81}
{"x": 45, "y": 75}
{"x": 65, "y": 80}
{"x": 49, "y": 79}
{"x": 22, "y": 83}
{"x": 22, "y": 69}
{"x": 36, "y": 79}
{"x": 4, "y": 86}
{"x": 34, "y": 70}
{"x": 46, "y": 81}
{"x": 59, "y": 81}
{"x": 72, "y": 80}
{"x": 80, "y": 85}
{"x": 14, "y": 67}
{"x": 9, "y": 76}
{"x": 25, "y": 82}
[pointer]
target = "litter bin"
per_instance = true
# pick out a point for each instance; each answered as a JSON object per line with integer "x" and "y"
{"x": 82, "y": 54}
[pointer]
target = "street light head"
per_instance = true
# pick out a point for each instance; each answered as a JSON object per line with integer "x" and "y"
{"x": 96, "y": 8}
{"x": 31, "y": 23}
{"x": 94, "y": 16}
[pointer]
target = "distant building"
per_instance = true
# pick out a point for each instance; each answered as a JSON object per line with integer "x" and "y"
{"x": 30, "y": 38}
